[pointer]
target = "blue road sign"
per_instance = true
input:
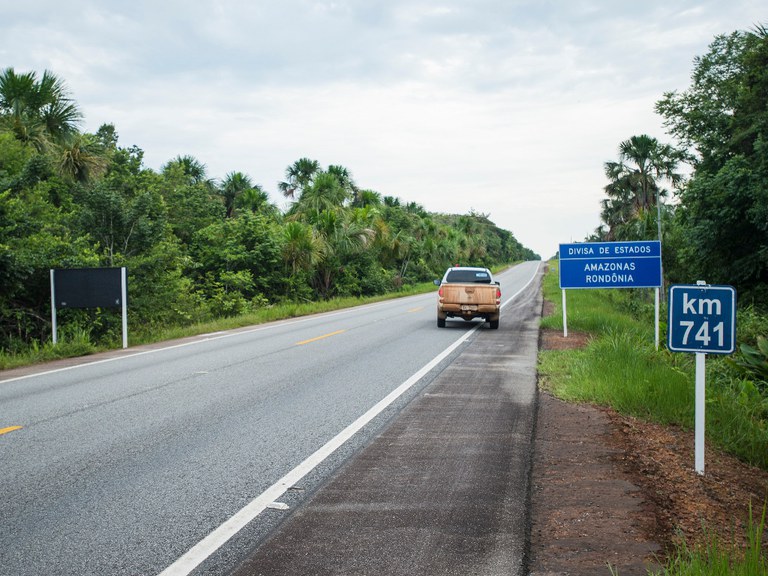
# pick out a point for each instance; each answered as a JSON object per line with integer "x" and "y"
{"x": 610, "y": 265}
{"x": 702, "y": 319}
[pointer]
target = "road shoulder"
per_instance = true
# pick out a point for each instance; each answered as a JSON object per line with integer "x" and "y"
{"x": 613, "y": 489}
{"x": 444, "y": 488}
{"x": 586, "y": 512}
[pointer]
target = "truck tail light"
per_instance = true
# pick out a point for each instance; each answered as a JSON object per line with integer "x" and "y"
{"x": 498, "y": 293}
{"x": 440, "y": 292}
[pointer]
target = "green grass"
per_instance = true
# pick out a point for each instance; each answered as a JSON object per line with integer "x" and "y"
{"x": 621, "y": 368}
{"x": 719, "y": 558}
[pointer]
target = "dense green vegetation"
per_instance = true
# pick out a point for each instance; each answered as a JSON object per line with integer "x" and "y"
{"x": 715, "y": 228}
{"x": 621, "y": 368}
{"x": 196, "y": 249}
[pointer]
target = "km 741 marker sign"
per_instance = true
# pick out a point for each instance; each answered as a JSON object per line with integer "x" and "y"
{"x": 702, "y": 319}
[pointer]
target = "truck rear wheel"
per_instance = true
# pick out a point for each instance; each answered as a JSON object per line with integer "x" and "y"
{"x": 440, "y": 322}
{"x": 494, "y": 324}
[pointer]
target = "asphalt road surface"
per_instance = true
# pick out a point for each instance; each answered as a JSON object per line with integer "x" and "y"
{"x": 181, "y": 460}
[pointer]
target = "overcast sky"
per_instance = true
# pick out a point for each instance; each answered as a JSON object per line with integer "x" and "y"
{"x": 505, "y": 107}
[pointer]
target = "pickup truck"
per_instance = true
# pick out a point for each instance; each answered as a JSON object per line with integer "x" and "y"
{"x": 468, "y": 292}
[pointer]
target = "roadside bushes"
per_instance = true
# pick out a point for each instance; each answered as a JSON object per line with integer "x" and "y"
{"x": 621, "y": 368}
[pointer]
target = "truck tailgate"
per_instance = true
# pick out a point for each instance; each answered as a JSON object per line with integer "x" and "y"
{"x": 480, "y": 294}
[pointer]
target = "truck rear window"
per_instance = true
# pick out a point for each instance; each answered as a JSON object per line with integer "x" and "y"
{"x": 462, "y": 276}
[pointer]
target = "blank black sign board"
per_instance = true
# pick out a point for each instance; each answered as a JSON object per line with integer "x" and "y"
{"x": 88, "y": 288}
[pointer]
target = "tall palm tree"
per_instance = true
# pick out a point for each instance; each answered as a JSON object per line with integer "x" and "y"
{"x": 302, "y": 248}
{"x": 643, "y": 162}
{"x": 298, "y": 176}
{"x": 191, "y": 167}
{"x": 365, "y": 198}
{"x": 342, "y": 174}
{"x": 256, "y": 199}
{"x": 621, "y": 206}
{"x": 37, "y": 111}
{"x": 344, "y": 177}
{"x": 342, "y": 238}
{"x": 41, "y": 113}
{"x": 82, "y": 158}
{"x": 235, "y": 185}
{"x": 324, "y": 194}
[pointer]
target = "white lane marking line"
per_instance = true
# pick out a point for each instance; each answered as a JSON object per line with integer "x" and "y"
{"x": 216, "y": 539}
{"x": 208, "y": 545}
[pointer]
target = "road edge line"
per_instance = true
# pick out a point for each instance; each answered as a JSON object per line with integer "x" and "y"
{"x": 201, "y": 551}
{"x": 208, "y": 545}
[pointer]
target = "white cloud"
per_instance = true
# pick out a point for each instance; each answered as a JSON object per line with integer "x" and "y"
{"x": 507, "y": 107}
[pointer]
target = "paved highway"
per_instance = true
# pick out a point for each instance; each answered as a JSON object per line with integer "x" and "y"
{"x": 171, "y": 459}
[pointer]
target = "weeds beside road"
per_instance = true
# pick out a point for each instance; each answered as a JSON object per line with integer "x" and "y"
{"x": 622, "y": 369}
{"x": 619, "y": 367}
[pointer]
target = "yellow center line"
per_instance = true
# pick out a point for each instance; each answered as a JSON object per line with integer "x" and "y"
{"x": 9, "y": 429}
{"x": 319, "y": 337}
{"x": 416, "y": 309}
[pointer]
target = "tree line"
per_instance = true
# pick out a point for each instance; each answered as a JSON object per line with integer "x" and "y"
{"x": 196, "y": 248}
{"x": 713, "y": 217}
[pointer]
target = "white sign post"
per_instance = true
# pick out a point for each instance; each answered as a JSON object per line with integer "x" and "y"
{"x": 565, "y": 318}
{"x": 701, "y": 404}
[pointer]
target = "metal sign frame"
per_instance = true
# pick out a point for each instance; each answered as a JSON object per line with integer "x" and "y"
{"x": 601, "y": 265}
